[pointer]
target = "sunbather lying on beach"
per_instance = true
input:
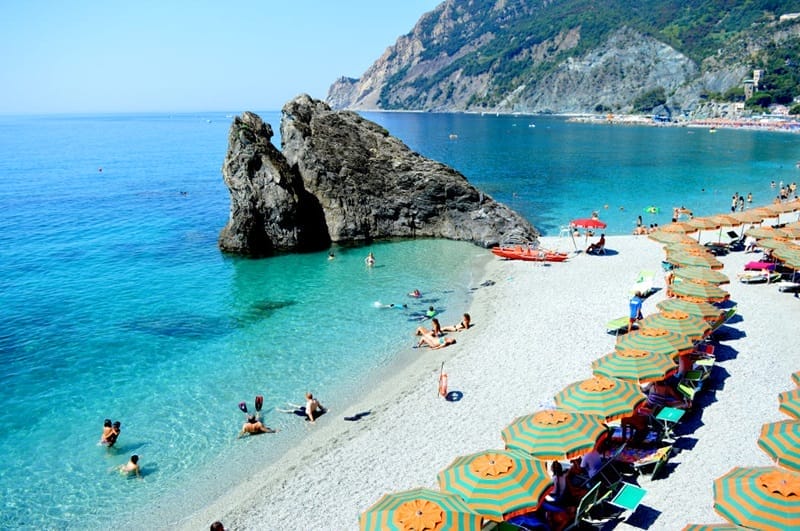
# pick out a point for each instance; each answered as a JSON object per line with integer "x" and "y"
{"x": 435, "y": 342}
{"x": 463, "y": 325}
{"x": 254, "y": 426}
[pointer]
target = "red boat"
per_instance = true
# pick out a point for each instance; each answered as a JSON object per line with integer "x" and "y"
{"x": 518, "y": 252}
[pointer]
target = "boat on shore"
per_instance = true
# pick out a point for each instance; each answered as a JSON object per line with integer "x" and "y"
{"x": 518, "y": 252}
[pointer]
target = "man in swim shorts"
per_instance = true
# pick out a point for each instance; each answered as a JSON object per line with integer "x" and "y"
{"x": 313, "y": 407}
{"x": 636, "y": 309}
{"x": 131, "y": 468}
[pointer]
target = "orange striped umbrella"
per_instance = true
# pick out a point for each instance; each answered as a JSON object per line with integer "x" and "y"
{"x": 796, "y": 378}
{"x": 781, "y": 441}
{"x": 686, "y": 248}
{"x": 635, "y": 365}
{"x": 420, "y": 510}
{"x": 554, "y": 434}
{"x": 703, "y": 223}
{"x": 656, "y": 340}
{"x": 765, "y": 498}
{"x": 749, "y": 216}
{"x": 695, "y": 291}
{"x": 610, "y": 397}
{"x": 678, "y": 227}
{"x": 679, "y": 322}
{"x": 762, "y": 233}
{"x": 713, "y": 527}
{"x": 706, "y": 311}
{"x": 789, "y": 403}
{"x": 683, "y": 260}
{"x": 792, "y": 232}
{"x": 701, "y": 275}
{"x": 496, "y": 482}
{"x": 670, "y": 237}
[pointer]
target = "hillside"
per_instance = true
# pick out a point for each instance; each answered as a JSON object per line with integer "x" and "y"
{"x": 578, "y": 56}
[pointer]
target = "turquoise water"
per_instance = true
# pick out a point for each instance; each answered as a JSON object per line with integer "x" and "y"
{"x": 115, "y": 302}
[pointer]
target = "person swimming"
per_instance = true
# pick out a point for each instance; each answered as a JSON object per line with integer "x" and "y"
{"x": 370, "y": 259}
{"x": 131, "y": 468}
{"x": 416, "y": 294}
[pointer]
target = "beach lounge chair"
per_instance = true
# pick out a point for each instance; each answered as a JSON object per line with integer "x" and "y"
{"x": 644, "y": 283}
{"x": 619, "y": 325}
{"x": 725, "y": 317}
{"x": 627, "y": 496}
{"x": 591, "y": 508}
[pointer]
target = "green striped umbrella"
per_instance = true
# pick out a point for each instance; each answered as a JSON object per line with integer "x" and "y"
{"x": 713, "y": 527}
{"x": 789, "y": 403}
{"x": 693, "y": 290}
{"x": 554, "y": 434}
{"x": 773, "y": 244}
{"x": 704, "y": 310}
{"x": 781, "y": 441}
{"x": 686, "y": 248}
{"x": 670, "y": 237}
{"x": 791, "y": 231}
{"x": 790, "y": 257}
{"x": 702, "y": 275}
{"x": 677, "y": 227}
{"x": 656, "y": 340}
{"x": 634, "y": 365}
{"x": 420, "y": 510}
{"x": 749, "y": 216}
{"x": 679, "y": 322}
{"x": 765, "y": 498}
{"x": 762, "y": 233}
{"x": 708, "y": 223}
{"x": 496, "y": 482}
{"x": 611, "y": 398}
{"x": 796, "y": 378}
{"x": 697, "y": 260}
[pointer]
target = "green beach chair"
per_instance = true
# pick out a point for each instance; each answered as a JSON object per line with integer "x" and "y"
{"x": 619, "y": 325}
{"x": 627, "y": 496}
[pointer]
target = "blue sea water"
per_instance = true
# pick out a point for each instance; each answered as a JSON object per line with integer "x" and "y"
{"x": 115, "y": 302}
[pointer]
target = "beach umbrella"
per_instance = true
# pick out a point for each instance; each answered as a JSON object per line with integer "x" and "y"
{"x": 587, "y": 223}
{"x": 696, "y": 260}
{"x": 701, "y": 275}
{"x": 706, "y": 311}
{"x": 789, "y": 403}
{"x": 796, "y": 378}
{"x": 554, "y": 433}
{"x": 773, "y": 244}
{"x": 724, "y": 220}
{"x": 656, "y": 340}
{"x": 748, "y": 216}
{"x": 713, "y": 527}
{"x": 781, "y": 441}
{"x": 703, "y": 223}
{"x": 670, "y": 237}
{"x": 783, "y": 208}
{"x": 420, "y": 510}
{"x": 765, "y": 498}
{"x": 496, "y": 482}
{"x": 789, "y": 257}
{"x": 761, "y": 233}
{"x": 686, "y": 248}
{"x": 611, "y": 398}
{"x": 679, "y": 322}
{"x": 634, "y": 365}
{"x": 793, "y": 232}
{"x": 694, "y": 290}
{"x": 677, "y": 227}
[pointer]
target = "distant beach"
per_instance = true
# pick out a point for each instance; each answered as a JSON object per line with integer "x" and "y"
{"x": 779, "y": 124}
{"x": 536, "y": 330}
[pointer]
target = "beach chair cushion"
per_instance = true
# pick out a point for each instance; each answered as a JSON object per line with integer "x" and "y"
{"x": 628, "y": 496}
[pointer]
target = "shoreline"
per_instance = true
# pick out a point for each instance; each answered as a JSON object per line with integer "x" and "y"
{"x": 536, "y": 330}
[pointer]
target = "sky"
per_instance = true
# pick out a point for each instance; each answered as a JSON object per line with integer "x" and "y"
{"x": 184, "y": 56}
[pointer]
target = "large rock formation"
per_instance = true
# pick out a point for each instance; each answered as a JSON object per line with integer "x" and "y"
{"x": 344, "y": 179}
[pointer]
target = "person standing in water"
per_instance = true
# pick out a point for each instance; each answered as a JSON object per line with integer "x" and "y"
{"x": 370, "y": 259}
{"x": 131, "y": 468}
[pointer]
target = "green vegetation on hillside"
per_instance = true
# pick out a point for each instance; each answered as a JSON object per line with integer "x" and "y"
{"x": 696, "y": 28}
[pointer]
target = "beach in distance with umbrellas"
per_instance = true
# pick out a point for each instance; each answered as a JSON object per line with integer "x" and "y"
{"x": 543, "y": 376}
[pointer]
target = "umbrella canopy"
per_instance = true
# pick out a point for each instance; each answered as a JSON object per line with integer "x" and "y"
{"x": 749, "y": 216}
{"x": 704, "y": 310}
{"x": 713, "y": 527}
{"x": 679, "y": 322}
{"x": 782, "y": 208}
{"x": 611, "y": 398}
{"x": 678, "y": 227}
{"x": 769, "y": 243}
{"x": 686, "y": 248}
{"x": 796, "y": 378}
{"x": 670, "y": 237}
{"x": 763, "y": 498}
{"x": 789, "y": 257}
{"x": 792, "y": 232}
{"x": 789, "y": 403}
{"x": 634, "y": 365}
{"x": 420, "y": 510}
{"x": 554, "y": 434}
{"x": 496, "y": 482}
{"x": 781, "y": 441}
{"x": 588, "y": 223}
{"x": 766, "y": 232}
{"x": 656, "y": 340}
{"x": 701, "y": 275}
{"x": 724, "y": 220}
{"x": 683, "y": 260}
{"x": 703, "y": 223}
{"x": 693, "y": 290}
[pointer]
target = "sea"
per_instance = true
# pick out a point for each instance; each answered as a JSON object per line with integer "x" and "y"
{"x": 116, "y": 303}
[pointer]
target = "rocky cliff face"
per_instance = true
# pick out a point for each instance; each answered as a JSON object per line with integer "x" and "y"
{"x": 488, "y": 56}
{"x": 341, "y": 178}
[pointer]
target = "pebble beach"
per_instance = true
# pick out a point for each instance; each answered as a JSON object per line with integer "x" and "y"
{"x": 537, "y": 327}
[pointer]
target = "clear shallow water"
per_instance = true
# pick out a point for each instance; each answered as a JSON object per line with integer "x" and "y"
{"x": 115, "y": 302}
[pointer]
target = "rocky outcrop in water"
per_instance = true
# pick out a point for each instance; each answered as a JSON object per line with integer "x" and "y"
{"x": 341, "y": 178}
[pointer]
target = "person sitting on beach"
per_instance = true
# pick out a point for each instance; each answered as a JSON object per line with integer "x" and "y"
{"x": 435, "y": 331}
{"x": 131, "y": 468}
{"x": 592, "y": 462}
{"x": 253, "y": 426}
{"x": 435, "y": 342}
{"x": 661, "y": 393}
{"x": 108, "y": 430}
{"x": 313, "y": 408}
{"x": 597, "y": 247}
{"x": 463, "y": 325}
